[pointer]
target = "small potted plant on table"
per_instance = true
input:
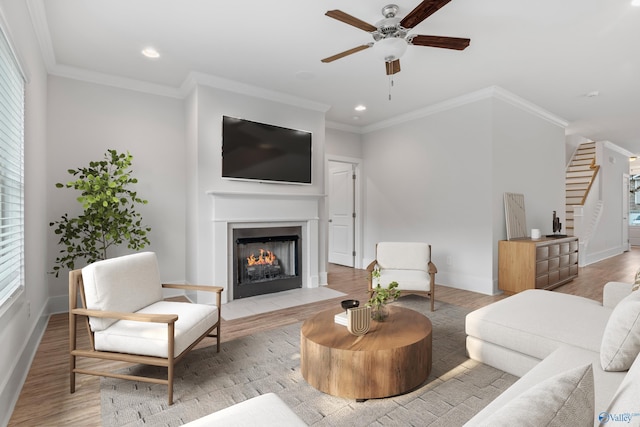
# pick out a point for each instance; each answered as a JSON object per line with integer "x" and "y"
{"x": 381, "y": 296}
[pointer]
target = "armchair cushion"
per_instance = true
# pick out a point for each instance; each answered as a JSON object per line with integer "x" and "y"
{"x": 150, "y": 339}
{"x": 403, "y": 255}
{"x": 410, "y": 280}
{"x": 125, "y": 284}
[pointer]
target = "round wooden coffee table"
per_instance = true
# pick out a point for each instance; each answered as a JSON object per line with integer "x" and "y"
{"x": 392, "y": 358}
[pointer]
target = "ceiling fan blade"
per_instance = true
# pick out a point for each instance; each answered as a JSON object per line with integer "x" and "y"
{"x": 456, "y": 43}
{"x": 422, "y": 12}
{"x": 348, "y": 19}
{"x": 346, "y": 52}
{"x": 392, "y": 67}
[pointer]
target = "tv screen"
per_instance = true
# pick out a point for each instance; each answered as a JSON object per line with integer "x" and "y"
{"x": 258, "y": 151}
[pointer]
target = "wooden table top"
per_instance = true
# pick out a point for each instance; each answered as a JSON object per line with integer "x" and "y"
{"x": 403, "y": 327}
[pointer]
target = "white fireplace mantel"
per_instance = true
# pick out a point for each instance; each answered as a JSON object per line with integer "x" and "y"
{"x": 232, "y": 210}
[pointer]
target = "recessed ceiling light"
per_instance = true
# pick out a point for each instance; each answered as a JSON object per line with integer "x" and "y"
{"x": 360, "y": 107}
{"x": 150, "y": 52}
{"x": 635, "y": 2}
{"x": 592, "y": 94}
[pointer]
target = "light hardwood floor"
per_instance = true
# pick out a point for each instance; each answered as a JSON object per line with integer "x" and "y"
{"x": 45, "y": 399}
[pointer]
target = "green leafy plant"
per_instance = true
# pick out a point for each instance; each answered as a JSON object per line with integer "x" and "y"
{"x": 109, "y": 217}
{"x": 381, "y": 296}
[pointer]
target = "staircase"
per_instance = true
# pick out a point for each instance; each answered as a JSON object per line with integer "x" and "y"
{"x": 580, "y": 175}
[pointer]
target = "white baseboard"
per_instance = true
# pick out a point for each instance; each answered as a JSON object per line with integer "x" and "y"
{"x": 12, "y": 387}
{"x": 591, "y": 258}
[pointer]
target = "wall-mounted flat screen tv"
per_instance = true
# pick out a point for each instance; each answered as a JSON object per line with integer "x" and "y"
{"x": 262, "y": 152}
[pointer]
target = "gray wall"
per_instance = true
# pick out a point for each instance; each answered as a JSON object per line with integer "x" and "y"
{"x": 85, "y": 120}
{"x": 443, "y": 178}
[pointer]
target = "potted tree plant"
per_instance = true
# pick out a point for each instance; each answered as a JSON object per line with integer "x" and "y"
{"x": 109, "y": 217}
{"x": 381, "y": 296}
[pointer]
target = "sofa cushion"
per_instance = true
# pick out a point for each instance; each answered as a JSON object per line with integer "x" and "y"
{"x": 266, "y": 410}
{"x": 625, "y": 404}
{"x": 636, "y": 281}
{"x": 150, "y": 339}
{"x": 562, "y": 400}
{"x": 564, "y": 358}
{"x": 125, "y": 284}
{"x": 614, "y": 292}
{"x": 621, "y": 339}
{"x": 536, "y": 322}
{"x": 410, "y": 280}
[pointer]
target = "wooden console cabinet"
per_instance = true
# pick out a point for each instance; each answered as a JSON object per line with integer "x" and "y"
{"x": 544, "y": 263}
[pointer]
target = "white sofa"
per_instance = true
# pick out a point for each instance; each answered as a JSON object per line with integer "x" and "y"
{"x": 266, "y": 410}
{"x": 541, "y": 335}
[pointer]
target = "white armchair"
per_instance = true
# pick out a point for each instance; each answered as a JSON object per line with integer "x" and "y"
{"x": 128, "y": 320}
{"x": 408, "y": 263}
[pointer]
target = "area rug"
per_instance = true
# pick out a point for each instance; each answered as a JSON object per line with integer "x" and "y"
{"x": 269, "y": 362}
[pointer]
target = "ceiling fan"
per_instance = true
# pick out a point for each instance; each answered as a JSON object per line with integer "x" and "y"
{"x": 391, "y": 34}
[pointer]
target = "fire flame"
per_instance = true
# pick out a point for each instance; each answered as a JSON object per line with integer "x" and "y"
{"x": 265, "y": 258}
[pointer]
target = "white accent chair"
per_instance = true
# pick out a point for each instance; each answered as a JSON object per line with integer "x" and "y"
{"x": 128, "y": 320}
{"x": 408, "y": 263}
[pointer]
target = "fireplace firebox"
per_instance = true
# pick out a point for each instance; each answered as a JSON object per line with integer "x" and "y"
{"x": 266, "y": 260}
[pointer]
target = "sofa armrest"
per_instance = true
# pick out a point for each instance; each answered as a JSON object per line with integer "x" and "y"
{"x": 614, "y": 292}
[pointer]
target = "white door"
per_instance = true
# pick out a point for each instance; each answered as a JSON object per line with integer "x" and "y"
{"x": 341, "y": 213}
{"x": 626, "y": 188}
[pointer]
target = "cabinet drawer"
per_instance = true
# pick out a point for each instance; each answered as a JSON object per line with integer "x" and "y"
{"x": 542, "y": 267}
{"x": 564, "y": 261}
{"x": 573, "y": 258}
{"x": 554, "y": 277}
{"x": 573, "y": 246}
{"x": 542, "y": 252}
{"x": 542, "y": 281}
{"x": 554, "y": 264}
{"x": 554, "y": 250}
{"x": 564, "y": 248}
{"x": 573, "y": 270}
{"x": 564, "y": 273}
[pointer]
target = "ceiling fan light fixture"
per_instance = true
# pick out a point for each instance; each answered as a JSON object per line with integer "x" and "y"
{"x": 390, "y": 49}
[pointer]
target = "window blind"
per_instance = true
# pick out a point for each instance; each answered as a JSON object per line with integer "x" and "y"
{"x": 11, "y": 172}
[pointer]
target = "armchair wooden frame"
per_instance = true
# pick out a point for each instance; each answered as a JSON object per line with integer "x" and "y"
{"x": 431, "y": 270}
{"x": 76, "y": 286}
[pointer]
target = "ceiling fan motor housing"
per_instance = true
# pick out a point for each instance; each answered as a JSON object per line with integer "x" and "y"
{"x": 389, "y": 27}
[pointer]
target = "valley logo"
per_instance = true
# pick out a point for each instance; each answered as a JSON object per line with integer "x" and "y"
{"x": 623, "y": 417}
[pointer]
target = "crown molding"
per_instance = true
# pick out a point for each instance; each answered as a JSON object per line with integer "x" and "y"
{"x": 196, "y": 78}
{"x": 343, "y": 127}
{"x": 486, "y": 93}
{"x": 115, "y": 81}
{"x": 530, "y": 107}
{"x": 611, "y": 146}
{"x": 41, "y": 28}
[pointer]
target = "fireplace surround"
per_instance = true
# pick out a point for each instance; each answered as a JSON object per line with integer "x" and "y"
{"x": 231, "y": 210}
